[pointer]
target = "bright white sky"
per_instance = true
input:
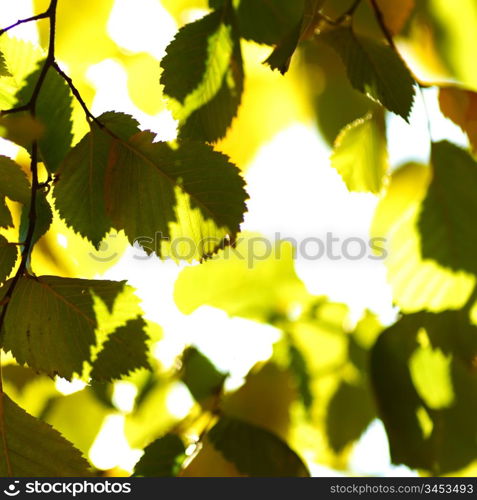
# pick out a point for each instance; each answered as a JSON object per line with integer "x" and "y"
{"x": 307, "y": 199}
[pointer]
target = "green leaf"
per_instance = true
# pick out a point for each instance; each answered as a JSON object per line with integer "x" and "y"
{"x": 447, "y": 219}
{"x": 374, "y": 69}
{"x": 162, "y": 458}
{"x": 14, "y": 185}
{"x": 203, "y": 75}
{"x": 281, "y": 57}
{"x": 200, "y": 376}
{"x": 180, "y": 201}
{"x": 255, "y": 451}
{"x": 266, "y": 21}
{"x": 3, "y": 66}
{"x": 54, "y": 334}
{"x": 360, "y": 155}
{"x": 53, "y": 111}
{"x": 350, "y": 411}
{"x": 425, "y": 385}
{"x": 124, "y": 352}
{"x": 31, "y": 448}
{"x": 43, "y": 219}
{"x": 8, "y": 258}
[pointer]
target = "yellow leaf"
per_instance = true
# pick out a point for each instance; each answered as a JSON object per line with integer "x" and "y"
{"x": 460, "y": 106}
{"x": 396, "y": 13}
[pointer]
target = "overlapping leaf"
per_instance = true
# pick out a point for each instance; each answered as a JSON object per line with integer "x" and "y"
{"x": 177, "y": 201}
{"x": 255, "y": 451}
{"x": 43, "y": 218}
{"x": 124, "y": 351}
{"x": 50, "y": 321}
{"x": 360, "y": 155}
{"x": 417, "y": 283}
{"x": 31, "y": 448}
{"x": 203, "y": 75}
{"x": 3, "y": 66}
{"x": 446, "y": 223}
{"x": 396, "y": 13}
{"x": 14, "y": 185}
{"x": 53, "y": 110}
{"x": 374, "y": 69}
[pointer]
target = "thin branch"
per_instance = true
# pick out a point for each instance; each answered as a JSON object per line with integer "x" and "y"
{"x": 382, "y": 24}
{"x": 76, "y": 93}
{"x": 43, "y": 15}
{"x": 343, "y": 17}
{"x": 32, "y": 216}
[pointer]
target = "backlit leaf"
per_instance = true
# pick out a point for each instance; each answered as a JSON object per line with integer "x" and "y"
{"x": 179, "y": 201}
{"x": 360, "y": 154}
{"x": 396, "y": 13}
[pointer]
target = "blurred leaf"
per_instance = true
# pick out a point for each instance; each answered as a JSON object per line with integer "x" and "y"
{"x": 8, "y": 258}
{"x": 396, "y": 13}
{"x": 448, "y": 234}
{"x": 43, "y": 218}
{"x": 374, "y": 69}
{"x": 255, "y": 451}
{"x": 202, "y": 194}
{"x": 203, "y": 75}
{"x": 53, "y": 110}
{"x": 360, "y": 154}
{"x": 200, "y": 376}
{"x": 442, "y": 439}
{"x": 55, "y": 333}
{"x": 162, "y": 458}
{"x": 63, "y": 414}
{"x": 21, "y": 128}
{"x": 416, "y": 283}
{"x": 299, "y": 368}
{"x": 264, "y": 400}
{"x": 124, "y": 351}
{"x": 32, "y": 448}
{"x": 349, "y": 414}
{"x": 460, "y": 106}
{"x": 282, "y": 55}
{"x": 256, "y": 287}
{"x": 14, "y": 185}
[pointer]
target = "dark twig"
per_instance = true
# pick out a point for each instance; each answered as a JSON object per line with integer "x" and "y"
{"x": 382, "y": 24}
{"x": 43, "y": 15}
{"x": 343, "y": 17}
